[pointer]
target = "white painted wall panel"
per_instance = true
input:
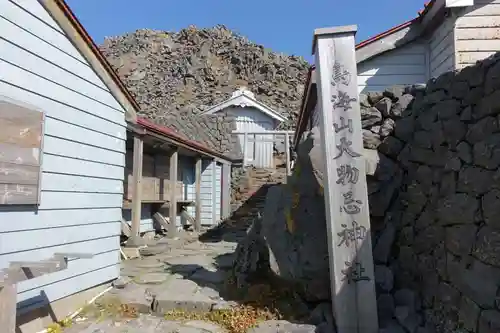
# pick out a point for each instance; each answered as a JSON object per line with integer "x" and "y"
{"x": 19, "y": 13}
{"x": 29, "y": 41}
{"x": 402, "y": 66}
{"x": 259, "y": 147}
{"x": 39, "y": 12}
{"x": 218, "y": 191}
{"x": 188, "y": 175}
{"x": 442, "y": 48}
{"x": 207, "y": 193}
{"x": 477, "y": 32}
{"x": 82, "y": 178}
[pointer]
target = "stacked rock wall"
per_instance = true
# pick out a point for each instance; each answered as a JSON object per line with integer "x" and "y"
{"x": 214, "y": 131}
{"x": 435, "y": 201}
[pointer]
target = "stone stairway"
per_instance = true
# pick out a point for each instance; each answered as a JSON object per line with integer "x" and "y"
{"x": 247, "y": 202}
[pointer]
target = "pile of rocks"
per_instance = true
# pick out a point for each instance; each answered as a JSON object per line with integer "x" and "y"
{"x": 381, "y": 110}
{"x": 177, "y": 75}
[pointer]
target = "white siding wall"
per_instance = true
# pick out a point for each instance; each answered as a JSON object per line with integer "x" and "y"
{"x": 188, "y": 175}
{"x": 478, "y": 32}
{"x": 206, "y": 192}
{"x": 442, "y": 48}
{"x": 402, "y": 66}
{"x": 217, "y": 191}
{"x": 83, "y": 157}
{"x": 259, "y": 149}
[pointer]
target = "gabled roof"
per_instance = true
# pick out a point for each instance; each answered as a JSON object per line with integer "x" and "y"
{"x": 245, "y": 98}
{"x": 66, "y": 19}
{"x": 427, "y": 19}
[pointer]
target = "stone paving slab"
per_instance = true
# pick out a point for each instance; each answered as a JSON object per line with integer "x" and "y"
{"x": 146, "y": 324}
{"x": 175, "y": 275}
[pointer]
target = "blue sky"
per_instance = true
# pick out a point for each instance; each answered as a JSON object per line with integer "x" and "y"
{"x": 281, "y": 25}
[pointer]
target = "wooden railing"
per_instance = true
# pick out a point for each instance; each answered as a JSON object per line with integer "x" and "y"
{"x": 266, "y": 137}
{"x": 24, "y": 270}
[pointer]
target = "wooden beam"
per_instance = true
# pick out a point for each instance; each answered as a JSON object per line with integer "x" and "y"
{"x": 226, "y": 190}
{"x": 345, "y": 189}
{"x": 197, "y": 225}
{"x": 174, "y": 159}
{"x": 8, "y": 308}
{"x": 134, "y": 239}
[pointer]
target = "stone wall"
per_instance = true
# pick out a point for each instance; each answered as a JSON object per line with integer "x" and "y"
{"x": 214, "y": 131}
{"x": 435, "y": 201}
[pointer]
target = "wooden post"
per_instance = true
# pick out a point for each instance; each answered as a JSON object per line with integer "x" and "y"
{"x": 134, "y": 239}
{"x": 254, "y": 150}
{"x": 226, "y": 190}
{"x": 8, "y": 307}
{"x": 287, "y": 153}
{"x": 174, "y": 157}
{"x": 245, "y": 148}
{"x": 198, "y": 194}
{"x": 345, "y": 189}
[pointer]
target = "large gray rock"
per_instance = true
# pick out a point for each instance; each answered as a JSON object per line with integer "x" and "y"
{"x": 300, "y": 255}
{"x": 291, "y": 237}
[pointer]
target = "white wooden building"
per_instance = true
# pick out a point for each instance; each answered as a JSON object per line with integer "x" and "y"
{"x": 63, "y": 118}
{"x": 251, "y": 116}
{"x": 447, "y": 35}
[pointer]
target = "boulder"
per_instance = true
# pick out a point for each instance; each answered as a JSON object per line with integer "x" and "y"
{"x": 290, "y": 239}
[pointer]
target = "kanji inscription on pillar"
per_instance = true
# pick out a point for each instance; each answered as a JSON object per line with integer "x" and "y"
{"x": 345, "y": 188}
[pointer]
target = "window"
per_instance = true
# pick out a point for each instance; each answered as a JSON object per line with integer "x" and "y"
{"x": 21, "y": 133}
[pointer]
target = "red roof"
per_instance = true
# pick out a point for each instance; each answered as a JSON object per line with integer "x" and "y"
{"x": 168, "y": 132}
{"x": 401, "y": 26}
{"x": 386, "y": 33}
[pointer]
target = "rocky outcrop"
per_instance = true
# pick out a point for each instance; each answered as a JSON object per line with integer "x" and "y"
{"x": 175, "y": 76}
